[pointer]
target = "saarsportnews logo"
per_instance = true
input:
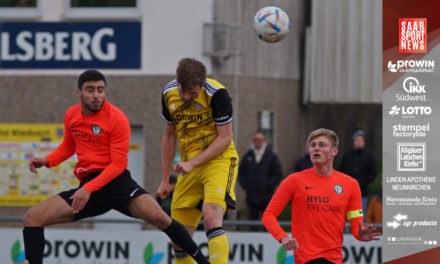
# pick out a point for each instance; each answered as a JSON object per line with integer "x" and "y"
{"x": 150, "y": 257}
{"x": 17, "y": 255}
{"x": 282, "y": 257}
{"x": 411, "y": 66}
{"x": 412, "y": 35}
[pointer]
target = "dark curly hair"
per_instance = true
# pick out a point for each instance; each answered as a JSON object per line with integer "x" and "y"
{"x": 90, "y": 75}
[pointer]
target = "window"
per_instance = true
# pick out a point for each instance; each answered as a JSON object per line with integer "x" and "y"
{"x": 18, "y": 3}
{"x": 125, "y": 9}
{"x": 267, "y": 127}
{"x": 19, "y": 9}
{"x": 103, "y": 3}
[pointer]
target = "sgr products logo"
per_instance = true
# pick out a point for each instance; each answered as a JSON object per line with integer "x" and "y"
{"x": 411, "y": 156}
{"x": 17, "y": 255}
{"x": 282, "y": 257}
{"x": 415, "y": 92}
{"x": 412, "y": 35}
{"x": 410, "y": 111}
{"x": 411, "y": 66}
{"x": 150, "y": 257}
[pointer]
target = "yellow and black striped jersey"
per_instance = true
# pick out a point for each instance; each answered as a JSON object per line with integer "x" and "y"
{"x": 196, "y": 122}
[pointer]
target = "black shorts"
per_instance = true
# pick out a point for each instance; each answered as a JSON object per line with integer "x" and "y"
{"x": 320, "y": 261}
{"x": 114, "y": 195}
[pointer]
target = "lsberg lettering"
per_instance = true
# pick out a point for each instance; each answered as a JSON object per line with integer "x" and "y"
{"x": 59, "y": 46}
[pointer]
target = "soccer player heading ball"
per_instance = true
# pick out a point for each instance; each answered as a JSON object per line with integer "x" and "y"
{"x": 99, "y": 133}
{"x": 198, "y": 112}
{"x": 322, "y": 199}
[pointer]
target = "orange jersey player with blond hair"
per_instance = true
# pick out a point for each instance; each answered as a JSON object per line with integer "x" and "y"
{"x": 322, "y": 199}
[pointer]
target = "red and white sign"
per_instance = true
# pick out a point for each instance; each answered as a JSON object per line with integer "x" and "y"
{"x": 412, "y": 35}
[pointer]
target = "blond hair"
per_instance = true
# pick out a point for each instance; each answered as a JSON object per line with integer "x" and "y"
{"x": 330, "y": 134}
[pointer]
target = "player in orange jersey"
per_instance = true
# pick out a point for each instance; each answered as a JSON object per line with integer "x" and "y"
{"x": 322, "y": 199}
{"x": 99, "y": 134}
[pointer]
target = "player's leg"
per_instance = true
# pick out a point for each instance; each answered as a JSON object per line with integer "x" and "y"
{"x": 217, "y": 241}
{"x": 51, "y": 211}
{"x": 147, "y": 208}
{"x": 55, "y": 210}
{"x": 189, "y": 218}
{"x": 219, "y": 177}
{"x": 187, "y": 195}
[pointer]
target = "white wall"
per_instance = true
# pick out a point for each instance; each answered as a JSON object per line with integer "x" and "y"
{"x": 171, "y": 30}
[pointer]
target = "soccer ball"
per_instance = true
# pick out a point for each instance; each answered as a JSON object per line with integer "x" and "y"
{"x": 271, "y": 24}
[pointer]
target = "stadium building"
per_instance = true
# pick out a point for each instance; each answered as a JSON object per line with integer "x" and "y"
{"x": 322, "y": 75}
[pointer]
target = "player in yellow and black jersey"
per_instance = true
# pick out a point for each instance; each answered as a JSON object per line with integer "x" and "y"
{"x": 198, "y": 112}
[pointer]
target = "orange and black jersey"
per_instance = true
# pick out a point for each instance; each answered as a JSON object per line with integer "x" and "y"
{"x": 320, "y": 207}
{"x": 100, "y": 141}
{"x": 196, "y": 122}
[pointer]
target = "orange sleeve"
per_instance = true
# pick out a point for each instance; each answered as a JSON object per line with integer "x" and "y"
{"x": 119, "y": 143}
{"x": 66, "y": 149}
{"x": 354, "y": 210}
{"x": 279, "y": 200}
{"x": 354, "y": 225}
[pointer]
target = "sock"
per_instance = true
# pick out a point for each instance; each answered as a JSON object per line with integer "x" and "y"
{"x": 34, "y": 244}
{"x": 180, "y": 236}
{"x": 218, "y": 246}
{"x": 182, "y": 257}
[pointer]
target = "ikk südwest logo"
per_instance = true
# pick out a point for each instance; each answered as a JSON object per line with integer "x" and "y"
{"x": 412, "y": 35}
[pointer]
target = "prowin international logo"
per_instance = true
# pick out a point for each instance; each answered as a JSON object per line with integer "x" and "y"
{"x": 409, "y": 111}
{"x": 416, "y": 66}
{"x": 282, "y": 257}
{"x": 414, "y": 91}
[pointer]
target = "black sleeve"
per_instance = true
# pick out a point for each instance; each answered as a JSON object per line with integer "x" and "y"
{"x": 221, "y": 105}
{"x": 165, "y": 113}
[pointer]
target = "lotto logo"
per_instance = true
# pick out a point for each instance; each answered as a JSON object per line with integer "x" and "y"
{"x": 412, "y": 35}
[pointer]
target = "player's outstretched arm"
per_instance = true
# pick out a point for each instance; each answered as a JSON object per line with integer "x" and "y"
{"x": 367, "y": 233}
{"x": 36, "y": 163}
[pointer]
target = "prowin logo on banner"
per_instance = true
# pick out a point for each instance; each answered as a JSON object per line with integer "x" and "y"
{"x": 153, "y": 247}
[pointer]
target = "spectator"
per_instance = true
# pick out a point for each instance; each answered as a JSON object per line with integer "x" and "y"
{"x": 166, "y": 203}
{"x": 258, "y": 174}
{"x": 360, "y": 165}
{"x": 304, "y": 163}
{"x": 374, "y": 214}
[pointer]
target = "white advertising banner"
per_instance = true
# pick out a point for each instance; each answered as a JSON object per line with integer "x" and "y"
{"x": 67, "y": 246}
